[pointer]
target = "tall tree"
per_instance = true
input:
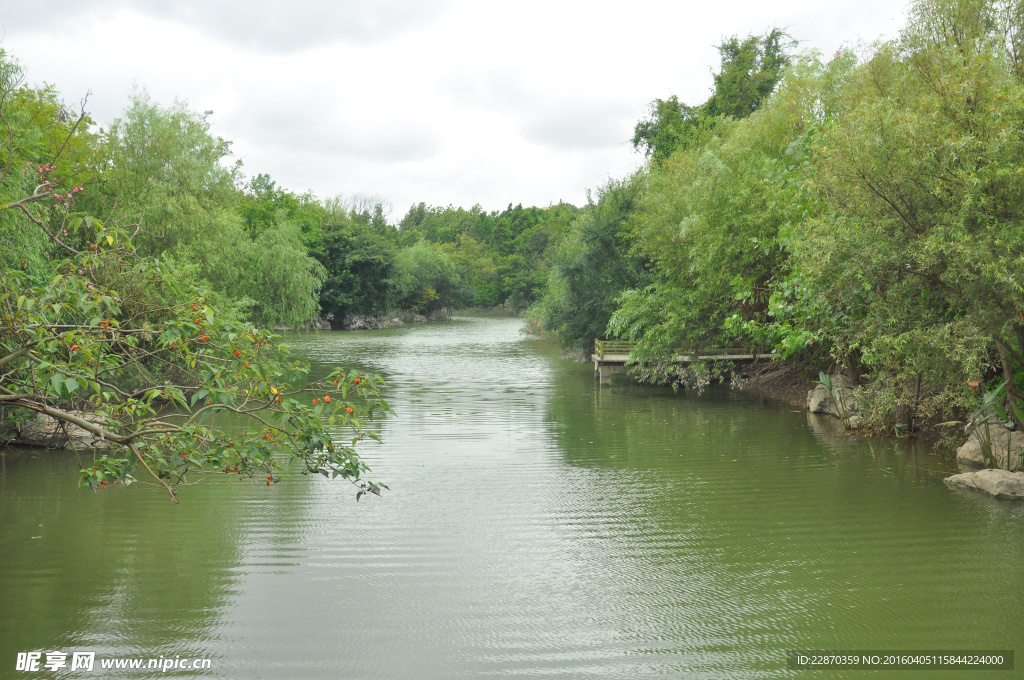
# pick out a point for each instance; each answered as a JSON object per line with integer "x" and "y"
{"x": 592, "y": 266}
{"x": 749, "y": 71}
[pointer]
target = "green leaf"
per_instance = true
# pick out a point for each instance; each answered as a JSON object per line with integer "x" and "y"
{"x": 199, "y": 394}
{"x": 1017, "y": 411}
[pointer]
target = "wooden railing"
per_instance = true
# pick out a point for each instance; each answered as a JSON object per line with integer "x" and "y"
{"x": 602, "y": 347}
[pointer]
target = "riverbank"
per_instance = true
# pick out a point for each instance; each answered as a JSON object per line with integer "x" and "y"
{"x": 787, "y": 382}
{"x": 795, "y": 383}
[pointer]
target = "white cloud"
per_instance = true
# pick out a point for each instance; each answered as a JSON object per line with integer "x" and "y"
{"x": 267, "y": 25}
{"x": 445, "y": 102}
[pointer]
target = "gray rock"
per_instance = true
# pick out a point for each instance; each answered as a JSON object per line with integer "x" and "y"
{"x": 438, "y": 315}
{"x": 419, "y": 318}
{"x": 841, "y": 400}
{"x": 818, "y": 401}
{"x": 356, "y": 323}
{"x": 49, "y": 433}
{"x": 971, "y": 454}
{"x": 998, "y": 483}
{"x": 365, "y": 323}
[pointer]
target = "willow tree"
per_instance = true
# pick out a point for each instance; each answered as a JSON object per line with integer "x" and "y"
{"x": 163, "y": 168}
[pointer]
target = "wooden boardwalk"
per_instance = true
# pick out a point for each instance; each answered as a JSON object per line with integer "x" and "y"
{"x": 610, "y": 356}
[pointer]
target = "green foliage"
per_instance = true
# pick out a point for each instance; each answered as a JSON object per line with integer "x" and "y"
{"x": 121, "y": 346}
{"x": 424, "y": 279}
{"x": 477, "y": 264}
{"x": 749, "y": 71}
{"x": 358, "y": 262}
{"x": 670, "y": 125}
{"x": 36, "y": 146}
{"x": 592, "y": 266}
{"x": 872, "y": 210}
{"x": 912, "y": 260}
{"x": 145, "y": 349}
{"x": 276, "y": 272}
{"x": 165, "y": 171}
{"x": 263, "y": 205}
{"x": 503, "y": 257}
{"x": 708, "y": 222}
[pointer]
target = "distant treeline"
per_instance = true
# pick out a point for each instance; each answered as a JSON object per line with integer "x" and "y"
{"x": 279, "y": 257}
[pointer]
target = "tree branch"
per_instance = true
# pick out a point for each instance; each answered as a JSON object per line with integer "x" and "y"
{"x": 170, "y": 489}
{"x": 74, "y": 127}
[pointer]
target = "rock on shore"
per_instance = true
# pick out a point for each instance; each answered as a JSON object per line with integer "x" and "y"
{"x": 49, "y": 433}
{"x": 841, "y": 399}
{"x": 1002, "y": 441}
{"x": 365, "y": 323}
{"x": 998, "y": 483}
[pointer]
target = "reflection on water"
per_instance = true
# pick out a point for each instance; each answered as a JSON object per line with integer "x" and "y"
{"x": 538, "y": 524}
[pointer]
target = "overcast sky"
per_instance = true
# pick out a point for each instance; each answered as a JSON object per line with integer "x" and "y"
{"x": 444, "y": 101}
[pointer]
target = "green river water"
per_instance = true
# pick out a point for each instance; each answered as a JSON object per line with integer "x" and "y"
{"x": 539, "y": 525}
